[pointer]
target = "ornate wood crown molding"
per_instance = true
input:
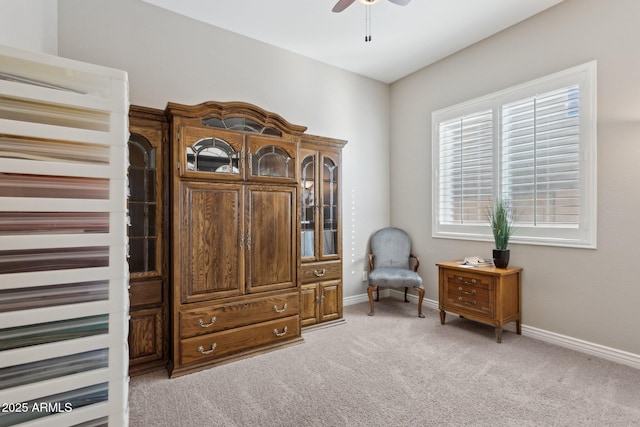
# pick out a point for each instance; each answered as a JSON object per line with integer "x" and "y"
{"x": 147, "y": 113}
{"x": 226, "y": 110}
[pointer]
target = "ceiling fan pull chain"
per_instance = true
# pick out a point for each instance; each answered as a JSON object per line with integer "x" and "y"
{"x": 367, "y": 23}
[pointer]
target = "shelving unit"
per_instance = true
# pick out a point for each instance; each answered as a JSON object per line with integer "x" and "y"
{"x": 63, "y": 243}
{"x": 321, "y": 245}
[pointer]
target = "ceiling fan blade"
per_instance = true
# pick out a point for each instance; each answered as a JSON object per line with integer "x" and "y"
{"x": 400, "y": 2}
{"x": 342, "y": 5}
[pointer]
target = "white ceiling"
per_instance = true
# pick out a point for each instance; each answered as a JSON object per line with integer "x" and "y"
{"x": 404, "y": 39}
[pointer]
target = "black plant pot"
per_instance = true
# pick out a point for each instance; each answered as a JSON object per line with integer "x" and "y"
{"x": 501, "y": 258}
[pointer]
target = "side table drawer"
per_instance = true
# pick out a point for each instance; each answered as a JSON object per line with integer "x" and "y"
{"x": 219, "y": 344}
{"x": 472, "y": 297}
{"x": 227, "y": 316}
{"x": 470, "y": 279}
{"x": 469, "y": 292}
{"x": 470, "y": 303}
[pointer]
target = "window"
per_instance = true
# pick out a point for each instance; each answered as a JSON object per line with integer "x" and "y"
{"x": 534, "y": 145}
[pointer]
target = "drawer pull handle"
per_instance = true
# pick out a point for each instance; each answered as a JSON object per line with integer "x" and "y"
{"x": 473, "y": 291}
{"x": 284, "y": 307}
{"x": 207, "y": 325}
{"x": 320, "y": 273}
{"x": 466, "y": 302}
{"x": 473, "y": 281}
{"x": 280, "y": 334}
{"x": 203, "y": 351}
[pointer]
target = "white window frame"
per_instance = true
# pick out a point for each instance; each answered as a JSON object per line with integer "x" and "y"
{"x": 582, "y": 236}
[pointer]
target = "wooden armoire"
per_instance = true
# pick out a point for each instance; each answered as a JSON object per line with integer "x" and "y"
{"x": 254, "y": 236}
{"x": 234, "y": 233}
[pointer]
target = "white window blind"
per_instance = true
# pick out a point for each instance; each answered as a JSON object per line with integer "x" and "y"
{"x": 534, "y": 145}
{"x": 466, "y": 168}
{"x": 541, "y": 158}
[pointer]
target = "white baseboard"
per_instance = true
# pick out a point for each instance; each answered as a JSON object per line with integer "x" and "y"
{"x": 612, "y": 354}
{"x": 356, "y": 299}
{"x": 608, "y": 353}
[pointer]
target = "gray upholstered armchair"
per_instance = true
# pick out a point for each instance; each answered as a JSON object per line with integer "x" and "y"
{"x": 390, "y": 265}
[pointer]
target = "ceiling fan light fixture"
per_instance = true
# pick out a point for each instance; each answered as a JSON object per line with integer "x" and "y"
{"x": 368, "y": 2}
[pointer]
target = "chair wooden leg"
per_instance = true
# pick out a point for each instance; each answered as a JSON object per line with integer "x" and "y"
{"x": 370, "y": 290}
{"x": 377, "y": 293}
{"x": 420, "y": 298}
{"x": 405, "y": 294}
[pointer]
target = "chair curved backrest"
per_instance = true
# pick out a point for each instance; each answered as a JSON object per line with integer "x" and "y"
{"x": 391, "y": 247}
{"x": 390, "y": 265}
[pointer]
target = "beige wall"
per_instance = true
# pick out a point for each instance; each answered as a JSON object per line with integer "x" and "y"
{"x": 172, "y": 58}
{"x": 30, "y": 25}
{"x": 590, "y": 295}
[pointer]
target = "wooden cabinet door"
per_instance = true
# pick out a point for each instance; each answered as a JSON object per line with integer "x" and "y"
{"x": 320, "y": 225}
{"x": 309, "y": 208}
{"x": 330, "y": 300}
{"x": 209, "y": 239}
{"x": 309, "y": 304}
{"x": 271, "y": 226}
{"x": 146, "y": 337}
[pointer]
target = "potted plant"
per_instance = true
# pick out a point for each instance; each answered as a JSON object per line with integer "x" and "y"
{"x": 501, "y": 219}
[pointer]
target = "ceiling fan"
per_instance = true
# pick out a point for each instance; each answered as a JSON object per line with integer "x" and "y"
{"x": 343, "y": 4}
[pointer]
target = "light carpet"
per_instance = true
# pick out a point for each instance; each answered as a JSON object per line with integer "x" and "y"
{"x": 395, "y": 369}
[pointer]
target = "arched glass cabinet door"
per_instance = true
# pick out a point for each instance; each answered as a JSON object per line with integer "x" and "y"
{"x": 206, "y": 151}
{"x": 329, "y": 240}
{"x": 212, "y": 155}
{"x": 308, "y": 206}
{"x": 142, "y": 205}
{"x": 271, "y": 159}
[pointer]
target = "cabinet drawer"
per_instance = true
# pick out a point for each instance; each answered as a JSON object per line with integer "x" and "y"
{"x": 317, "y": 271}
{"x": 227, "y": 316}
{"x": 145, "y": 293}
{"x": 219, "y": 344}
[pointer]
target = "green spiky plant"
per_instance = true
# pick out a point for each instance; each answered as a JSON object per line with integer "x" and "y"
{"x": 501, "y": 219}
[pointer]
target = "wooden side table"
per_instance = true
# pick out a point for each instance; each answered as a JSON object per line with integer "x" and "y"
{"x": 484, "y": 294}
